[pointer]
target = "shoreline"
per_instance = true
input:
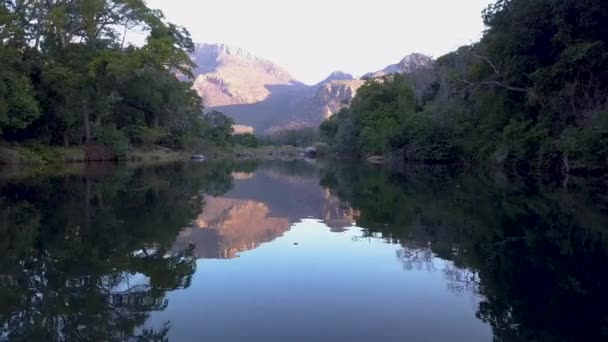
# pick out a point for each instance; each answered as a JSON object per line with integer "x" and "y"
{"x": 52, "y": 156}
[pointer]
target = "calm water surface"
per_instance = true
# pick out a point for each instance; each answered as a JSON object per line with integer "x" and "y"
{"x": 298, "y": 251}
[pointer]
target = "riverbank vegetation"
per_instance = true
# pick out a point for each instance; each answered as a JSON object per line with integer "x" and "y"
{"x": 531, "y": 94}
{"x": 71, "y": 79}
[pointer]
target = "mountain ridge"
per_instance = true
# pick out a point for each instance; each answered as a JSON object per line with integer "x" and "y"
{"x": 259, "y": 93}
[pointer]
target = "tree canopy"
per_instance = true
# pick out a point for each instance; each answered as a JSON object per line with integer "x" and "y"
{"x": 532, "y": 93}
{"x": 71, "y": 77}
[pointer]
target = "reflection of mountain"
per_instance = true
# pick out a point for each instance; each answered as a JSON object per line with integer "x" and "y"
{"x": 228, "y": 226}
{"x": 257, "y": 210}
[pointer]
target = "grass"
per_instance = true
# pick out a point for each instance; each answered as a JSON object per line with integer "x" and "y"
{"x": 42, "y": 156}
{"x": 266, "y": 152}
{"x": 38, "y": 155}
{"x": 157, "y": 155}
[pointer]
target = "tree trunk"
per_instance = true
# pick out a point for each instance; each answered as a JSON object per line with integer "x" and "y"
{"x": 86, "y": 124}
{"x": 66, "y": 140}
{"x": 87, "y": 203}
{"x": 566, "y": 164}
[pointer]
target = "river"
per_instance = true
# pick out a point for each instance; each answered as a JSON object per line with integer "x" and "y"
{"x": 301, "y": 251}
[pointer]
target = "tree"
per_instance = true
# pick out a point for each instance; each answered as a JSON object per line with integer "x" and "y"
{"x": 69, "y": 74}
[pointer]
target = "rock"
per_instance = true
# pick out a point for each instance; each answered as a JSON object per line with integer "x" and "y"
{"x": 407, "y": 65}
{"x": 197, "y": 157}
{"x": 310, "y": 152}
{"x": 376, "y": 159}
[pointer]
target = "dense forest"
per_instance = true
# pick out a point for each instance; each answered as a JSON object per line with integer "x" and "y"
{"x": 71, "y": 77}
{"x": 531, "y": 94}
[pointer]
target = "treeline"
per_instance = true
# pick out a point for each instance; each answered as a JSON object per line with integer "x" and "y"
{"x": 532, "y": 93}
{"x": 302, "y": 137}
{"x": 70, "y": 77}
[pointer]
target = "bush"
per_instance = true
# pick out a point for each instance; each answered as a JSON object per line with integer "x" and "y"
{"x": 145, "y": 136}
{"x": 114, "y": 140}
{"x": 247, "y": 139}
{"x": 322, "y": 149}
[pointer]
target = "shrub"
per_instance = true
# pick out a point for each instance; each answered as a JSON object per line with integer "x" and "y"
{"x": 322, "y": 149}
{"x": 247, "y": 139}
{"x": 114, "y": 140}
{"x": 145, "y": 136}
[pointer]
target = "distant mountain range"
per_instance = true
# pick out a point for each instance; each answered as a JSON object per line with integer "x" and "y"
{"x": 258, "y": 93}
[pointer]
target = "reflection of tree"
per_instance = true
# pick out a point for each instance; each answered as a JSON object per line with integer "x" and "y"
{"x": 536, "y": 253}
{"x": 461, "y": 280}
{"x": 87, "y": 257}
{"x": 416, "y": 258}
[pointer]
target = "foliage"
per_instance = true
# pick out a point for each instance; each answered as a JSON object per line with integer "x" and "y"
{"x": 219, "y": 127}
{"x": 115, "y": 140}
{"x": 303, "y": 137}
{"x": 321, "y": 149}
{"x": 531, "y": 93}
{"x": 18, "y": 107}
{"x": 247, "y": 140}
{"x": 68, "y": 74}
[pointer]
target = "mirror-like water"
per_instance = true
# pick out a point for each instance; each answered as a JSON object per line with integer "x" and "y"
{"x": 293, "y": 251}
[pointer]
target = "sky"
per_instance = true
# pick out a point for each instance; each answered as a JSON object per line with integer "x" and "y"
{"x": 312, "y": 38}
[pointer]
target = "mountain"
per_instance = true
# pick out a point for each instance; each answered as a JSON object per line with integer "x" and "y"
{"x": 336, "y": 76}
{"x": 407, "y": 65}
{"x": 260, "y": 95}
{"x": 229, "y": 76}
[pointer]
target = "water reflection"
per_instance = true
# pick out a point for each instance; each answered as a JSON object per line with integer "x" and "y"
{"x": 261, "y": 207}
{"x": 318, "y": 252}
{"x": 86, "y": 255}
{"x": 535, "y": 251}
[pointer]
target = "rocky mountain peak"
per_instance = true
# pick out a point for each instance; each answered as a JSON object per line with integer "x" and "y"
{"x": 407, "y": 65}
{"x": 337, "y": 76}
{"x": 212, "y": 57}
{"x": 258, "y": 94}
{"x": 413, "y": 62}
{"x": 227, "y": 75}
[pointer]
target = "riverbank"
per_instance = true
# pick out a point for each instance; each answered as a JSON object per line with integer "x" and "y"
{"x": 40, "y": 155}
{"x": 261, "y": 153}
{"x": 45, "y": 155}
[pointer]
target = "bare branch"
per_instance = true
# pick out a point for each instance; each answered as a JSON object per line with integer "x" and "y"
{"x": 496, "y": 70}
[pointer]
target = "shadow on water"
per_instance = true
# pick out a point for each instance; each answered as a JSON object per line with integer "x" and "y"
{"x": 90, "y": 255}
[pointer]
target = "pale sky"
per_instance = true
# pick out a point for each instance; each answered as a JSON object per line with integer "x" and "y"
{"x": 312, "y": 38}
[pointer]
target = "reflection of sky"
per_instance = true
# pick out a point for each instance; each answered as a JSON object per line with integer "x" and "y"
{"x": 328, "y": 287}
{"x": 129, "y": 283}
